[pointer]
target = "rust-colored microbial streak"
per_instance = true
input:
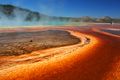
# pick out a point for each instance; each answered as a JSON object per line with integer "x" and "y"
{"x": 97, "y": 60}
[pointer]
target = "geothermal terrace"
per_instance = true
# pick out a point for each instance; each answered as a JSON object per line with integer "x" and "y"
{"x": 17, "y": 43}
{"x": 67, "y": 53}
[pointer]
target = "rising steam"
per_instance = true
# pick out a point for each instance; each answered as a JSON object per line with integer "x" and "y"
{"x": 15, "y": 16}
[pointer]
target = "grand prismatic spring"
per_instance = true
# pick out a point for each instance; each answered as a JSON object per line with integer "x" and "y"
{"x": 35, "y": 46}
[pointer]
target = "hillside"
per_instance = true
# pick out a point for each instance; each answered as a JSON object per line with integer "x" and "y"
{"x": 13, "y": 13}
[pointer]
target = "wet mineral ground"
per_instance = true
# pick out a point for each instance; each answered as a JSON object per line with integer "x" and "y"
{"x": 17, "y": 43}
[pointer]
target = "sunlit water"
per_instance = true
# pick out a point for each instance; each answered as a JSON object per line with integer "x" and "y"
{"x": 113, "y": 31}
{"x": 20, "y": 24}
{"x": 14, "y": 24}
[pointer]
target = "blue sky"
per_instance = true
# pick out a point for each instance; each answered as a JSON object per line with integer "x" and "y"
{"x": 72, "y": 8}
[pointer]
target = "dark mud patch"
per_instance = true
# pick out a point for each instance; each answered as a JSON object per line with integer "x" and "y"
{"x": 17, "y": 43}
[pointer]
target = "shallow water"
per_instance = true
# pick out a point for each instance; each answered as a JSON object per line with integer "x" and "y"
{"x": 115, "y": 32}
{"x": 15, "y": 24}
{"x": 7, "y": 24}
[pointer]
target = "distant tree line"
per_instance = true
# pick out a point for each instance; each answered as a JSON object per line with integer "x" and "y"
{"x": 105, "y": 19}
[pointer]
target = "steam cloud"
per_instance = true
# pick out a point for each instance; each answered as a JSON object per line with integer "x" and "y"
{"x": 15, "y": 16}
